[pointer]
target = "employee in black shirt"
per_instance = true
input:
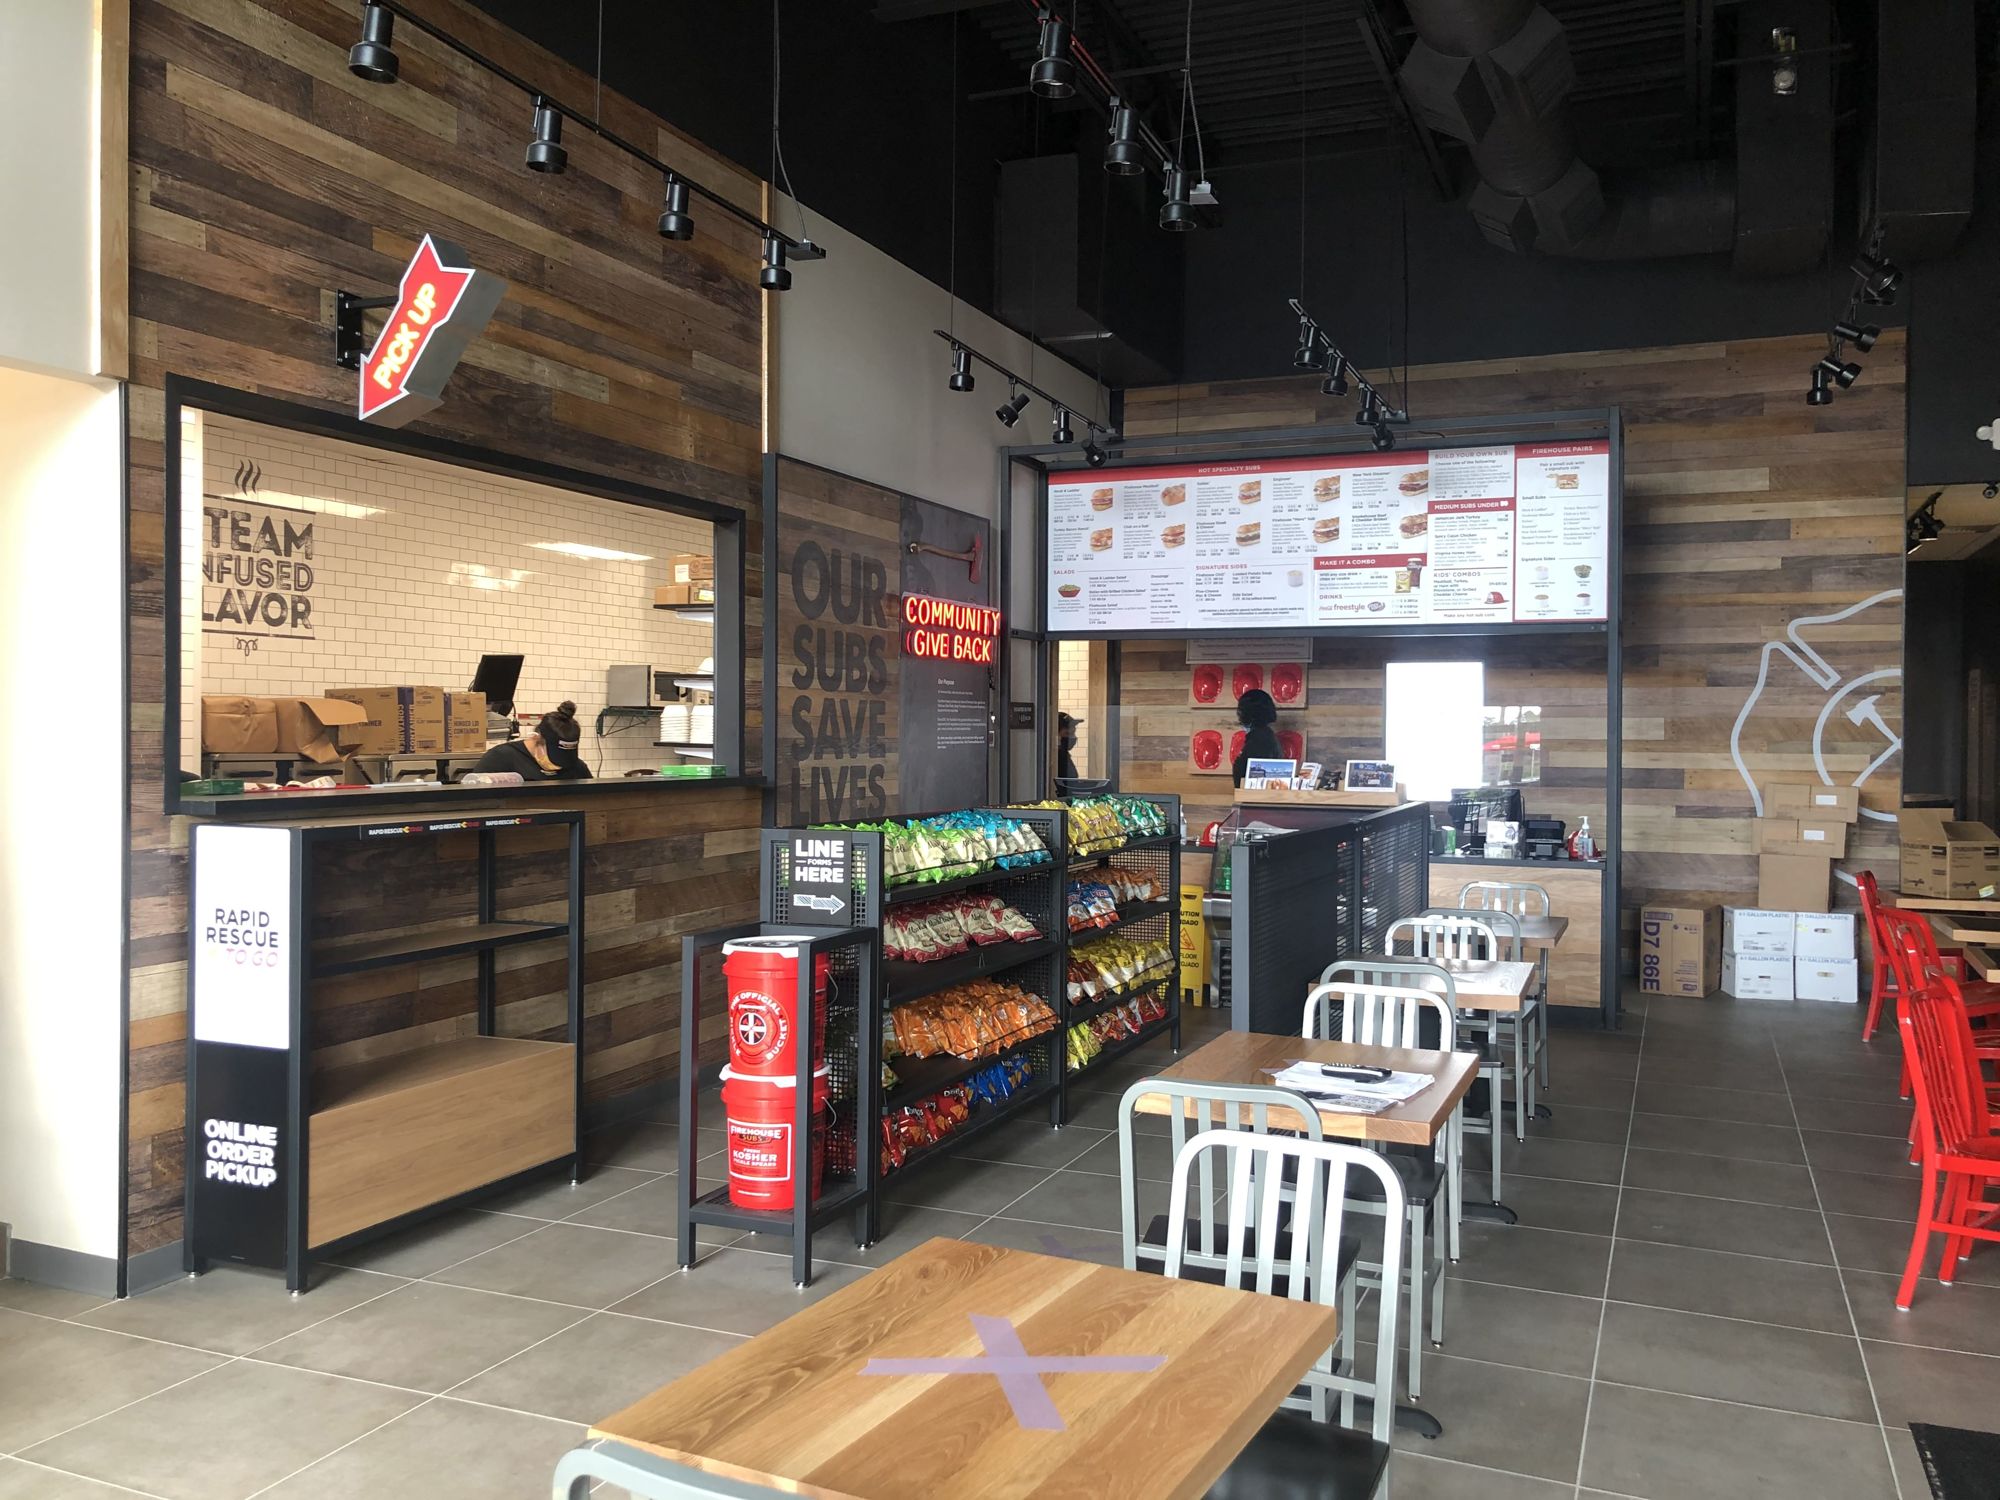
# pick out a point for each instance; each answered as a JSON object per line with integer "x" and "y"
{"x": 1256, "y": 713}
{"x": 551, "y": 751}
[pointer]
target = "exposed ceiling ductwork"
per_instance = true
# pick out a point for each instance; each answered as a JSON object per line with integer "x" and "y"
{"x": 1497, "y": 76}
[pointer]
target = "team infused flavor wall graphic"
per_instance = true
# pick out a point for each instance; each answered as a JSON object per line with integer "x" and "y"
{"x": 1494, "y": 536}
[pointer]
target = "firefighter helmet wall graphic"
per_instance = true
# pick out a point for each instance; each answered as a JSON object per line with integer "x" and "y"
{"x": 1850, "y": 720}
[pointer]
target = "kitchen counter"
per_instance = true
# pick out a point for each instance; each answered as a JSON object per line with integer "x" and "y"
{"x": 1576, "y": 891}
{"x": 1518, "y": 863}
{"x": 252, "y": 807}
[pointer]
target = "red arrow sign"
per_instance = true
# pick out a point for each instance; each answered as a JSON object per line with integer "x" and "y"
{"x": 442, "y": 305}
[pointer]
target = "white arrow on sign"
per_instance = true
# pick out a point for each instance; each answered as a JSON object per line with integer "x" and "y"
{"x": 831, "y": 904}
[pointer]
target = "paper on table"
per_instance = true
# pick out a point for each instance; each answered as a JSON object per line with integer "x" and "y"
{"x": 1349, "y": 1095}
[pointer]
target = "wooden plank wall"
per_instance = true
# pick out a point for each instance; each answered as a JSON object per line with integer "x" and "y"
{"x": 1749, "y": 518}
{"x": 265, "y": 177}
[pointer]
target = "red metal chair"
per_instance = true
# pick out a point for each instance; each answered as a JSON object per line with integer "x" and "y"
{"x": 1882, "y": 986}
{"x": 1959, "y": 1151}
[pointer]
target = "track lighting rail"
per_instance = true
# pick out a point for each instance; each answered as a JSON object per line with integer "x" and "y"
{"x": 961, "y": 380}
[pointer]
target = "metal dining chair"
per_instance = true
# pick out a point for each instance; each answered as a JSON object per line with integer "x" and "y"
{"x": 1455, "y": 935}
{"x": 1378, "y": 1015}
{"x": 1295, "y": 1454}
{"x": 645, "y": 1475}
{"x": 1521, "y": 898}
{"x": 1505, "y": 1029}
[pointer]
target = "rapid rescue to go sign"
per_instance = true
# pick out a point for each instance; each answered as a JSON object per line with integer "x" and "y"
{"x": 946, "y": 630}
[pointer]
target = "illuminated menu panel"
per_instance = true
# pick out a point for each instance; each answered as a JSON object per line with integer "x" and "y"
{"x": 1500, "y": 536}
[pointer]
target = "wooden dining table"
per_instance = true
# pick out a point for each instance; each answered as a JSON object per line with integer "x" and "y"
{"x": 983, "y": 1373}
{"x": 1540, "y": 934}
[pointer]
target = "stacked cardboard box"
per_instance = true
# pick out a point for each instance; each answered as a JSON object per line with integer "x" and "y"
{"x": 1680, "y": 950}
{"x": 1803, "y": 831}
{"x": 319, "y": 730}
{"x": 1789, "y": 955}
{"x": 1823, "y": 963}
{"x": 401, "y": 720}
{"x": 1946, "y": 858}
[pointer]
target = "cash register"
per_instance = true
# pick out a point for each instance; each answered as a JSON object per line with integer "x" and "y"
{"x": 1542, "y": 838}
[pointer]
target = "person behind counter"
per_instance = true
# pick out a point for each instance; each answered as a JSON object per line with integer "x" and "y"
{"x": 1066, "y": 746}
{"x": 551, "y": 751}
{"x": 1256, "y": 712}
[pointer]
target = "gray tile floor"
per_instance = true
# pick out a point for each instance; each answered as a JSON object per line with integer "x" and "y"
{"x": 1698, "y": 1302}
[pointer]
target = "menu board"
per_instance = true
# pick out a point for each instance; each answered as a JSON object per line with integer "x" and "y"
{"x": 1495, "y": 536}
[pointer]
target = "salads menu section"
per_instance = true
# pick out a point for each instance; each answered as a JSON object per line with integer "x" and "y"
{"x": 1500, "y": 536}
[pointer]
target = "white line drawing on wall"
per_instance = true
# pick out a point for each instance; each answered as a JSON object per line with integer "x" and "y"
{"x": 1864, "y": 711}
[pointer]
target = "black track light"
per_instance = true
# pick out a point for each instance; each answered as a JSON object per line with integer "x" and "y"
{"x": 774, "y": 277}
{"x": 372, "y": 57}
{"x": 1370, "y": 414}
{"x": 1842, "y": 375}
{"x": 1009, "y": 411}
{"x": 1062, "y": 433}
{"x": 1923, "y": 524}
{"x": 676, "y": 223}
{"x": 545, "y": 151}
{"x": 1880, "y": 280}
{"x": 1862, "y": 336}
{"x": 1175, "y": 213}
{"x": 1094, "y": 455}
{"x": 1124, "y": 156}
{"x": 1821, "y": 394}
{"x": 1053, "y": 76}
{"x": 1307, "y": 355}
{"x": 961, "y": 370}
{"x": 1383, "y": 439}
{"x": 1335, "y": 383}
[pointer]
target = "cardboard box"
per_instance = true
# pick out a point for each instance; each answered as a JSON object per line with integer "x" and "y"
{"x": 1796, "y": 800}
{"x": 423, "y": 720}
{"x": 1945, "y": 857}
{"x": 691, "y": 567}
{"x": 465, "y": 723}
{"x": 1823, "y": 936}
{"x": 381, "y": 731}
{"x": 321, "y": 730}
{"x": 1794, "y": 882}
{"x": 1680, "y": 950}
{"x": 701, "y": 593}
{"x": 1836, "y": 979}
{"x": 1808, "y": 835}
{"x": 669, "y": 594}
{"x": 1750, "y": 932}
{"x": 1748, "y": 977}
{"x": 238, "y": 726}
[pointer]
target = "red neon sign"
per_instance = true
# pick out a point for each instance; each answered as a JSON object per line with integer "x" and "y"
{"x": 441, "y": 307}
{"x": 946, "y": 630}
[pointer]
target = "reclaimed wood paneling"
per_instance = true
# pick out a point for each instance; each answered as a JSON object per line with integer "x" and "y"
{"x": 1763, "y": 610}
{"x": 265, "y": 177}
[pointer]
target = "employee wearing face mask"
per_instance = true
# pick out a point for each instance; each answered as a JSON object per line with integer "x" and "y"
{"x": 551, "y": 751}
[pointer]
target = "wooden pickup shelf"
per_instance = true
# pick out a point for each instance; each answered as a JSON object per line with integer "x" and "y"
{"x": 443, "y": 940}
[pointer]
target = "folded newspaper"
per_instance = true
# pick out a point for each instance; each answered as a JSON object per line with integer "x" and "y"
{"x": 1345, "y": 1095}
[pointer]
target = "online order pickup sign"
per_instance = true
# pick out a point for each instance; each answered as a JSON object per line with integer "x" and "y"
{"x": 442, "y": 305}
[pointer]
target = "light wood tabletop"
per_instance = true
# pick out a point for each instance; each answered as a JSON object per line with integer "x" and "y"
{"x": 1250, "y": 1057}
{"x": 1480, "y": 984}
{"x": 1156, "y": 1384}
{"x": 1940, "y": 903}
{"x": 1538, "y": 933}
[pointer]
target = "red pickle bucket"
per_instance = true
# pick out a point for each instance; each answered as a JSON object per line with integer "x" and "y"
{"x": 762, "y": 977}
{"x": 761, "y": 1114}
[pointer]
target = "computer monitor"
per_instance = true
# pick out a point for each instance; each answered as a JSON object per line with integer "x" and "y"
{"x": 498, "y": 678}
{"x": 1470, "y": 807}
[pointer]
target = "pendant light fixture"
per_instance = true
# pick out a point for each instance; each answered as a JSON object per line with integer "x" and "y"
{"x": 1820, "y": 394}
{"x": 1307, "y": 356}
{"x": 1009, "y": 411}
{"x": 1124, "y": 156}
{"x": 373, "y": 58}
{"x": 1335, "y": 383}
{"x": 961, "y": 370}
{"x": 1053, "y": 76}
{"x": 545, "y": 150}
{"x": 1861, "y": 336}
{"x": 676, "y": 223}
{"x": 1062, "y": 433}
{"x": 774, "y": 277}
{"x": 1841, "y": 374}
{"x": 1176, "y": 214}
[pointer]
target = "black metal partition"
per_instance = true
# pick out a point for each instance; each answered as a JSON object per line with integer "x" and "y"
{"x": 1304, "y": 900}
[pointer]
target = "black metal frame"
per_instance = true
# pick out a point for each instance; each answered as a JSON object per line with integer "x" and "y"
{"x": 1046, "y": 459}
{"x": 304, "y": 836}
{"x": 288, "y": 416}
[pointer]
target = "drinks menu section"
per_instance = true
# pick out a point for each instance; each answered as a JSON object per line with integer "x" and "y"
{"x": 1499, "y": 535}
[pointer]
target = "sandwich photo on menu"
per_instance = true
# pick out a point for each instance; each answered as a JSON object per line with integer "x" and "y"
{"x": 1100, "y": 499}
{"x": 1416, "y": 482}
{"x": 1100, "y": 540}
{"x": 1326, "y": 529}
{"x": 1250, "y": 491}
{"x": 1416, "y": 525}
{"x": 1173, "y": 494}
{"x": 1250, "y": 534}
{"x": 1327, "y": 488}
{"x": 1567, "y": 481}
{"x": 1173, "y": 536}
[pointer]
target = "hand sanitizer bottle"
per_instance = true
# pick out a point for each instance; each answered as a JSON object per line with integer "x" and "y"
{"x": 1586, "y": 846}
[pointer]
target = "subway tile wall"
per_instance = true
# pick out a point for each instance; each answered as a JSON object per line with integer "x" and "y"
{"x": 419, "y": 567}
{"x": 1073, "y": 694}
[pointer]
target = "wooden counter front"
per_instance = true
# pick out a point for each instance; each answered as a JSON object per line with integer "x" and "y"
{"x": 1575, "y": 891}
